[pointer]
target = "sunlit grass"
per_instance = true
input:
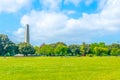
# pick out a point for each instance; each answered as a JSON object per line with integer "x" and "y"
{"x": 60, "y": 68}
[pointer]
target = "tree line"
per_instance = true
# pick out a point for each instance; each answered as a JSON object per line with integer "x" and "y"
{"x": 93, "y": 49}
{"x": 8, "y": 48}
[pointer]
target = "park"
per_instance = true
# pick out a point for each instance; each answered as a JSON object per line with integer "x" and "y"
{"x": 60, "y": 68}
{"x": 58, "y": 61}
{"x": 59, "y": 39}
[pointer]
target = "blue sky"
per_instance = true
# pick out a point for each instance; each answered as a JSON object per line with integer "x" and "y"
{"x": 70, "y": 21}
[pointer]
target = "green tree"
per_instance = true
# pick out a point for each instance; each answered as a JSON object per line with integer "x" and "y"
{"x": 11, "y": 49}
{"x": 100, "y": 51}
{"x": 74, "y": 49}
{"x": 7, "y": 46}
{"x": 92, "y": 46}
{"x": 61, "y": 50}
{"x": 37, "y": 50}
{"x": 3, "y": 41}
{"x": 101, "y": 44}
{"x": 118, "y": 52}
{"x": 115, "y": 45}
{"x": 55, "y": 44}
{"x": 25, "y": 48}
{"x": 84, "y": 49}
{"x": 115, "y": 52}
{"x": 47, "y": 50}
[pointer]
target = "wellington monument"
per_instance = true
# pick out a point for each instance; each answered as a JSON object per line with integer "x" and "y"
{"x": 27, "y": 36}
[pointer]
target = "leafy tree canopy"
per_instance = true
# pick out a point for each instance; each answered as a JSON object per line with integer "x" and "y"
{"x": 25, "y": 48}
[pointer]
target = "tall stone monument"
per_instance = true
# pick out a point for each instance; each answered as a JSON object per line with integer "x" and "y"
{"x": 27, "y": 36}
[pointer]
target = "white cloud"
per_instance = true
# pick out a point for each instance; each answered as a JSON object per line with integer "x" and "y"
{"x": 70, "y": 12}
{"x": 88, "y": 2}
{"x": 19, "y": 34}
{"x": 13, "y": 5}
{"x": 44, "y": 24}
{"x": 50, "y": 4}
{"x": 101, "y": 4}
{"x": 57, "y": 26}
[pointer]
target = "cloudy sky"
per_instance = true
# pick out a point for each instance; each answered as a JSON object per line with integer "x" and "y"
{"x": 69, "y": 21}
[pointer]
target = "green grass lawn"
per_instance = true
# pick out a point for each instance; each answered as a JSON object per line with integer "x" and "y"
{"x": 60, "y": 68}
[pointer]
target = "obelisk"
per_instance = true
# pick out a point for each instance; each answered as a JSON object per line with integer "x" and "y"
{"x": 27, "y": 36}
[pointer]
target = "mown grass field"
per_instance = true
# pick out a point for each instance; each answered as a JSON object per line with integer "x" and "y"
{"x": 60, "y": 68}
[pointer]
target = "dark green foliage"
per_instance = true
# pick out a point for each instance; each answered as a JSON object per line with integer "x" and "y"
{"x": 74, "y": 50}
{"x": 61, "y": 50}
{"x": 55, "y": 49}
{"x": 3, "y": 42}
{"x": 115, "y": 45}
{"x": 7, "y": 46}
{"x": 100, "y": 51}
{"x": 25, "y": 48}
{"x": 84, "y": 49}
{"x": 115, "y": 52}
{"x": 92, "y": 46}
{"x": 37, "y": 50}
{"x": 46, "y": 50}
{"x": 11, "y": 48}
